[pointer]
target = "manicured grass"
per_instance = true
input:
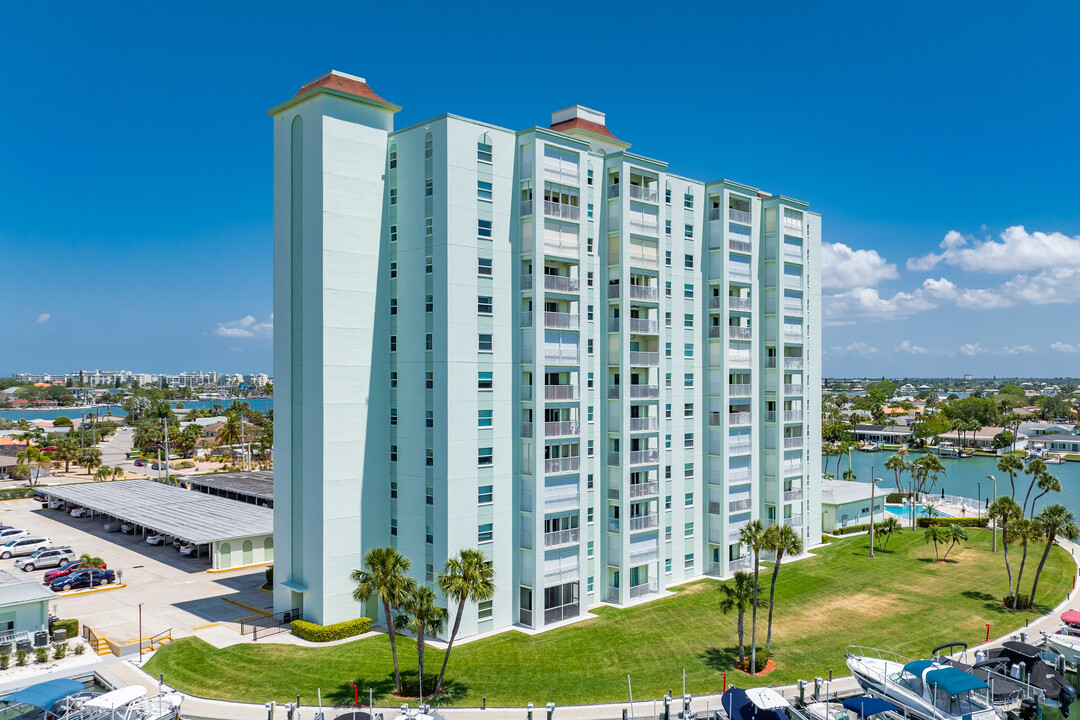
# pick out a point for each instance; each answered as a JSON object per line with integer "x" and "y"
{"x": 900, "y": 601}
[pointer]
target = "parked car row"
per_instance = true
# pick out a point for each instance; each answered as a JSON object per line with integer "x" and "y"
{"x": 185, "y": 548}
{"x": 16, "y": 542}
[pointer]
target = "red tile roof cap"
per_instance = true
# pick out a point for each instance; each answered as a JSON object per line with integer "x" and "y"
{"x": 582, "y": 124}
{"x": 342, "y": 82}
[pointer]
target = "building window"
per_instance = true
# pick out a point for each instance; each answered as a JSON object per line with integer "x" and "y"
{"x": 667, "y": 442}
{"x": 667, "y": 350}
{"x": 688, "y": 350}
{"x": 483, "y": 152}
{"x": 590, "y": 346}
{"x": 393, "y": 489}
{"x": 393, "y": 453}
{"x": 484, "y": 457}
{"x": 590, "y": 448}
{"x": 688, "y": 561}
{"x": 667, "y": 411}
{"x": 429, "y": 535}
{"x": 589, "y": 515}
{"x": 688, "y": 320}
{"x": 393, "y": 196}
{"x": 429, "y": 380}
{"x": 393, "y": 527}
{"x": 429, "y": 458}
{"x": 484, "y": 533}
{"x": 589, "y": 313}
{"x": 590, "y": 420}
{"x": 589, "y": 549}
{"x": 688, "y": 380}
{"x": 667, "y": 258}
{"x": 589, "y": 482}
{"x": 588, "y": 210}
{"x": 688, "y": 529}
{"x": 689, "y": 498}
{"x": 393, "y": 343}
{"x": 667, "y": 289}
{"x": 688, "y": 262}
{"x": 428, "y": 265}
{"x": 393, "y": 233}
{"x": 483, "y": 190}
{"x": 393, "y": 379}
{"x": 667, "y": 565}
{"x": 667, "y": 502}
{"x": 429, "y": 150}
{"x": 483, "y": 380}
{"x": 688, "y": 473}
{"x": 429, "y": 572}
{"x": 589, "y": 381}
{"x": 667, "y": 472}
{"x": 483, "y": 304}
{"x": 393, "y": 159}
{"x": 667, "y": 227}
{"x": 393, "y": 416}
{"x": 429, "y": 303}
{"x": 429, "y": 495}
{"x": 485, "y": 495}
{"x": 589, "y": 585}
{"x": 429, "y": 187}
{"x": 589, "y": 177}
{"x": 688, "y": 201}
{"x": 429, "y": 227}
{"x": 688, "y": 410}
{"x": 484, "y": 610}
{"x": 688, "y": 440}
{"x": 485, "y": 342}
{"x": 667, "y": 315}
{"x": 589, "y": 279}
{"x": 484, "y": 418}
{"x": 483, "y": 266}
{"x": 393, "y": 269}
{"x": 393, "y": 306}
{"x": 688, "y": 233}
{"x": 688, "y": 291}
{"x": 483, "y": 229}
{"x": 429, "y": 341}
{"x": 589, "y": 245}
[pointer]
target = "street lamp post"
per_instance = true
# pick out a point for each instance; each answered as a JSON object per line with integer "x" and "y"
{"x": 140, "y": 633}
{"x": 994, "y": 479}
{"x": 978, "y": 487}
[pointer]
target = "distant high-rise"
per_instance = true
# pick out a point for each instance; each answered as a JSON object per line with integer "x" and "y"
{"x": 536, "y": 343}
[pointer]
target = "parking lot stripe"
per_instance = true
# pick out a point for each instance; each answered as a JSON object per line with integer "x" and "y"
{"x": 240, "y": 567}
{"x": 203, "y": 627}
{"x": 101, "y": 588}
{"x": 247, "y": 607}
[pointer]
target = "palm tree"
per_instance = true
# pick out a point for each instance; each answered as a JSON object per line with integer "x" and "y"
{"x": 92, "y": 560}
{"x": 828, "y": 449}
{"x": 66, "y": 450}
{"x": 1006, "y": 510}
{"x": 849, "y": 474}
{"x": 89, "y": 458}
{"x": 742, "y": 591}
{"x": 898, "y": 465}
{"x": 424, "y": 616}
{"x": 469, "y": 576}
{"x": 1047, "y": 483}
{"x": 954, "y": 534}
{"x": 753, "y": 536}
{"x": 781, "y": 540}
{"x": 927, "y": 467}
{"x": 103, "y": 473}
{"x": 1025, "y": 532}
{"x": 1035, "y": 468}
{"x": 118, "y": 473}
{"x": 21, "y": 472}
{"x": 889, "y": 526}
{"x": 1056, "y": 520}
{"x": 385, "y": 578}
{"x": 1011, "y": 464}
{"x": 936, "y": 535}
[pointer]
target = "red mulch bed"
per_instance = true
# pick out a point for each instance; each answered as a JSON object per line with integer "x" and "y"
{"x": 769, "y": 667}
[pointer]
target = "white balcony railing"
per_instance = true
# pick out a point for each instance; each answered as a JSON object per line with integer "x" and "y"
{"x": 613, "y": 392}
{"x": 644, "y": 489}
{"x": 526, "y": 207}
{"x": 739, "y": 418}
{"x": 715, "y": 302}
{"x": 645, "y": 327}
{"x": 738, "y": 333}
{"x": 647, "y": 194}
{"x": 643, "y": 228}
{"x": 793, "y": 336}
{"x": 738, "y": 448}
{"x": 714, "y": 214}
{"x": 643, "y": 522}
{"x": 644, "y": 457}
{"x": 561, "y": 537}
{"x": 644, "y": 392}
{"x": 561, "y": 283}
{"x": 793, "y": 363}
{"x": 643, "y": 589}
{"x": 526, "y": 281}
{"x": 560, "y": 392}
{"x": 770, "y": 363}
{"x": 740, "y": 246}
{"x": 643, "y": 260}
{"x": 739, "y": 303}
{"x": 793, "y": 282}
{"x": 639, "y": 358}
{"x": 554, "y": 466}
{"x": 639, "y": 557}
{"x": 793, "y": 308}
{"x": 526, "y": 429}
{"x": 790, "y": 495}
{"x": 644, "y": 424}
{"x": 793, "y": 227}
{"x": 570, "y": 249}
{"x": 715, "y": 419}
{"x": 739, "y": 274}
{"x": 644, "y": 292}
{"x": 561, "y": 428}
{"x": 793, "y": 443}
{"x": 613, "y": 291}
{"x": 613, "y": 191}
{"x": 614, "y": 457}
{"x": 563, "y": 356}
{"x": 559, "y": 210}
{"x": 561, "y": 321}
{"x": 739, "y": 360}
{"x": 734, "y": 530}
{"x": 739, "y": 390}
{"x": 739, "y": 216}
{"x": 793, "y": 415}
{"x": 793, "y": 468}
{"x": 793, "y": 389}
{"x": 770, "y": 416}
{"x": 793, "y": 254}
{"x": 739, "y": 505}
{"x": 562, "y": 501}
{"x": 714, "y": 332}
{"x": 744, "y": 563}
{"x": 613, "y": 324}
{"x": 526, "y": 318}
{"x": 793, "y": 521}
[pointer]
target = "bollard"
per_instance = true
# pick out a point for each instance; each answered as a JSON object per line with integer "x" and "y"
{"x": 356, "y": 696}
{"x": 624, "y": 714}
{"x": 667, "y": 707}
{"x": 724, "y": 674}
{"x": 550, "y": 710}
{"x": 802, "y": 692}
{"x": 529, "y": 707}
{"x": 270, "y": 710}
{"x": 817, "y": 688}
{"x": 484, "y": 705}
{"x": 987, "y": 632}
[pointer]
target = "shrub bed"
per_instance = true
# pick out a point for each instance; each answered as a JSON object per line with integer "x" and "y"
{"x": 925, "y": 522}
{"x": 326, "y": 633}
{"x": 72, "y": 627}
{"x": 851, "y": 529}
{"x": 1023, "y": 603}
{"x": 17, "y": 493}
{"x": 895, "y": 498}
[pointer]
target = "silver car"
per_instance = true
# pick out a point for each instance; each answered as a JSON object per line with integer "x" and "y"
{"x": 46, "y": 557}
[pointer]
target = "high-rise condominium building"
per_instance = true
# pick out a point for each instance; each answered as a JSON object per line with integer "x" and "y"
{"x": 532, "y": 342}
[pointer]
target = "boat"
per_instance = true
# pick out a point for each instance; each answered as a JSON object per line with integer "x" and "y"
{"x": 946, "y": 449}
{"x": 756, "y": 704}
{"x": 1053, "y": 459}
{"x": 1068, "y": 646}
{"x": 1016, "y": 671}
{"x": 862, "y": 707}
{"x": 70, "y": 704}
{"x": 163, "y": 706}
{"x": 421, "y": 712}
{"x": 33, "y": 702}
{"x": 923, "y": 689}
{"x": 870, "y": 446}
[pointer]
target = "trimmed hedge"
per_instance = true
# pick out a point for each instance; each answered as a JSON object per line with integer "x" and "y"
{"x": 925, "y": 522}
{"x": 1023, "y": 602}
{"x": 17, "y": 493}
{"x": 895, "y": 498}
{"x": 325, "y": 633}
{"x": 72, "y": 627}
{"x": 851, "y": 529}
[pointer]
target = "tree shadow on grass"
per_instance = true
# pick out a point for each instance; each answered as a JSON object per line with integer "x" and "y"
{"x": 342, "y": 695}
{"x": 976, "y": 595}
{"x": 721, "y": 659}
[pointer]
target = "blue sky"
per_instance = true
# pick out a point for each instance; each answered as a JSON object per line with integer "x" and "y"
{"x": 135, "y": 158}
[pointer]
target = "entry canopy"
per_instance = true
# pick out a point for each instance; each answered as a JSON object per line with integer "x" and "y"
{"x": 865, "y": 706}
{"x": 43, "y": 695}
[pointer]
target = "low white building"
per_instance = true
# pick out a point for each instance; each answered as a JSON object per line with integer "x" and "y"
{"x": 24, "y": 606}
{"x": 845, "y": 503}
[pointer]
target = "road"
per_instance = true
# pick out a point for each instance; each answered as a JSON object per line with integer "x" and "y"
{"x": 114, "y": 453}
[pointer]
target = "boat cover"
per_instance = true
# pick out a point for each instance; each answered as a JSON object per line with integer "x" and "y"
{"x": 1071, "y": 617}
{"x": 918, "y": 667}
{"x": 866, "y": 706}
{"x": 738, "y": 706}
{"x": 952, "y": 681}
{"x": 43, "y": 695}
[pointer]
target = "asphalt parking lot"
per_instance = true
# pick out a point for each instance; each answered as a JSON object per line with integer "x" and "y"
{"x": 176, "y": 592}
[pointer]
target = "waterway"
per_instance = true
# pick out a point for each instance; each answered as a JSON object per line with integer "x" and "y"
{"x": 967, "y": 477}
{"x": 260, "y": 404}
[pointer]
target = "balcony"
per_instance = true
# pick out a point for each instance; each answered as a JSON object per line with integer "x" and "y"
{"x": 561, "y": 211}
{"x": 740, "y": 246}
{"x": 525, "y": 617}
{"x": 613, "y": 392}
{"x": 793, "y": 389}
{"x": 644, "y": 457}
{"x": 561, "y": 321}
{"x": 793, "y": 363}
{"x": 770, "y": 416}
{"x": 739, "y": 418}
{"x": 563, "y": 612}
{"x": 562, "y": 502}
{"x": 562, "y": 428}
{"x": 526, "y": 392}
{"x": 740, "y": 216}
{"x": 793, "y": 468}
{"x": 744, "y": 563}
{"x": 738, "y": 448}
{"x": 738, "y": 475}
{"x": 613, "y": 191}
{"x": 714, "y": 214}
{"x": 566, "y": 249}
{"x": 770, "y": 363}
{"x": 644, "y": 359}
{"x": 793, "y": 282}
{"x": 793, "y": 254}
{"x": 714, "y": 332}
{"x": 716, "y": 302}
{"x": 556, "y": 466}
{"x": 735, "y": 332}
{"x": 556, "y": 283}
{"x": 613, "y": 324}
{"x": 526, "y": 429}
{"x": 644, "y": 489}
{"x": 644, "y": 424}
{"x": 643, "y": 522}
{"x": 793, "y": 308}
{"x": 641, "y": 228}
{"x": 714, "y": 419}
{"x": 526, "y": 207}
{"x": 644, "y": 261}
{"x": 643, "y": 589}
{"x": 614, "y": 457}
{"x": 639, "y": 192}
{"x": 739, "y": 303}
{"x": 793, "y": 443}
{"x": 566, "y": 356}
{"x": 739, "y": 390}
{"x": 613, "y": 292}
{"x": 739, "y": 360}
{"x": 561, "y": 537}
{"x": 734, "y": 530}
{"x": 560, "y": 392}
{"x": 793, "y": 227}
{"x": 793, "y": 521}
{"x": 640, "y": 557}
{"x": 714, "y": 508}
{"x": 644, "y": 327}
{"x": 526, "y": 318}
{"x": 790, "y": 495}
{"x": 739, "y": 505}
{"x": 644, "y": 292}
{"x": 526, "y": 281}
{"x": 737, "y": 274}
{"x": 793, "y": 416}
{"x": 793, "y": 336}
{"x": 613, "y": 493}
{"x": 644, "y": 392}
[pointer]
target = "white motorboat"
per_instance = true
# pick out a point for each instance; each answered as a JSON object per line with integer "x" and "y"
{"x": 756, "y": 704}
{"x": 421, "y": 712}
{"x": 862, "y": 707}
{"x": 923, "y": 689}
{"x": 1066, "y": 645}
{"x": 163, "y": 706}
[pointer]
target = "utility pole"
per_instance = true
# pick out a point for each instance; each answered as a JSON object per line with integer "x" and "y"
{"x": 873, "y": 481}
{"x": 243, "y": 458}
{"x": 165, "y": 421}
{"x": 994, "y": 533}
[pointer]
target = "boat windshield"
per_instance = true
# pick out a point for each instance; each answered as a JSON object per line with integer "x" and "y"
{"x": 962, "y": 703}
{"x": 905, "y": 679}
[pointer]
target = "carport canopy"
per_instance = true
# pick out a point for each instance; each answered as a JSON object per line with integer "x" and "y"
{"x": 257, "y": 484}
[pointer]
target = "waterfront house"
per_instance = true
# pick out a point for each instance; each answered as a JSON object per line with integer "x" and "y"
{"x": 845, "y": 503}
{"x": 1060, "y": 442}
{"x": 892, "y": 434}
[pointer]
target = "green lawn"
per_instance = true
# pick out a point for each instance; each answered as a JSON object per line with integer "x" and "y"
{"x": 901, "y": 601}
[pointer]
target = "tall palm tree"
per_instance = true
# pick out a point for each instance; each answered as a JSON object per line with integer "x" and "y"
{"x": 1056, "y": 521}
{"x": 89, "y": 458}
{"x": 954, "y": 534}
{"x": 469, "y": 576}
{"x": 753, "y": 536}
{"x": 1006, "y": 510}
{"x": 1011, "y": 464}
{"x": 927, "y": 468}
{"x": 118, "y": 473}
{"x": 936, "y": 535}
{"x": 736, "y": 596}
{"x": 1047, "y": 483}
{"x": 66, "y": 450}
{"x": 889, "y": 526}
{"x": 828, "y": 449}
{"x": 424, "y": 616}
{"x": 781, "y": 540}
{"x": 385, "y": 578}
{"x": 1025, "y": 532}
{"x": 898, "y": 465}
{"x": 1035, "y": 468}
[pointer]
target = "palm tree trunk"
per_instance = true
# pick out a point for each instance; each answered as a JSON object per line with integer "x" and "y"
{"x": 450, "y": 645}
{"x": 1038, "y": 571}
{"x": 949, "y": 550}
{"x": 393, "y": 645}
{"x": 1032, "y": 515}
{"x": 742, "y": 652}
{"x": 1023, "y": 508}
{"x": 772, "y": 594}
{"x": 420, "y": 659}
{"x": 753, "y": 620}
{"x": 1005, "y": 547}
{"x": 1019, "y": 577}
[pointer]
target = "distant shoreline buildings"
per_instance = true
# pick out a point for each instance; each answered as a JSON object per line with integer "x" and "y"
{"x": 110, "y": 378}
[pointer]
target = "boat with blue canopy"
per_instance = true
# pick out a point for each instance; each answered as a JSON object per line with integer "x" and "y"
{"x": 31, "y": 703}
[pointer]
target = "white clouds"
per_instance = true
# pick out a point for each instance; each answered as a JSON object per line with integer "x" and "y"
{"x": 43, "y": 318}
{"x": 869, "y": 304}
{"x": 856, "y": 348}
{"x": 1017, "y": 350}
{"x": 1017, "y": 251}
{"x": 246, "y": 327}
{"x": 1065, "y": 348}
{"x": 973, "y": 349}
{"x": 842, "y": 267}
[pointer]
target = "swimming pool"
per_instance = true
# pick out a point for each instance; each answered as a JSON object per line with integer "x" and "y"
{"x": 904, "y": 513}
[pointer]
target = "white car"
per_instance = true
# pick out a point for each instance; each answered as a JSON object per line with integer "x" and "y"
{"x": 78, "y": 512}
{"x": 158, "y": 539}
{"x": 12, "y": 534}
{"x": 189, "y": 549}
{"x": 127, "y": 528}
